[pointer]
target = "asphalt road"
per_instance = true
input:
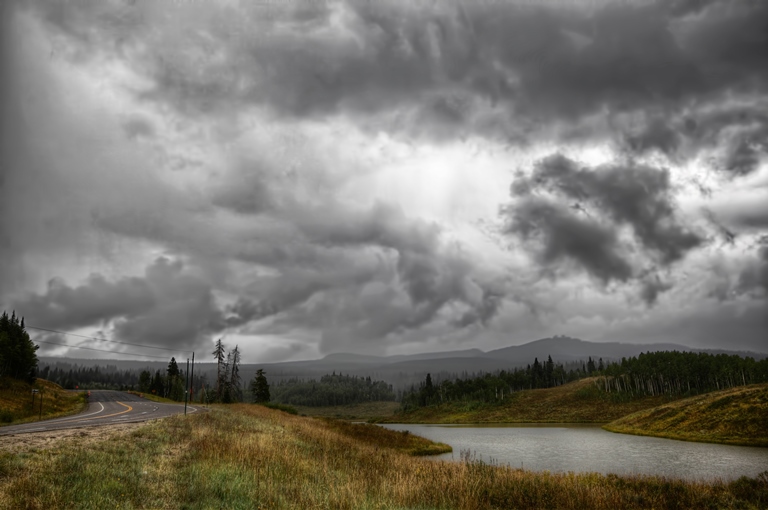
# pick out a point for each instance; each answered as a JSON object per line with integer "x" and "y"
{"x": 105, "y": 408}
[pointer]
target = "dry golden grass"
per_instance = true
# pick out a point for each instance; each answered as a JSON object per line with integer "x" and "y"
{"x": 733, "y": 416}
{"x": 247, "y": 456}
{"x": 16, "y": 401}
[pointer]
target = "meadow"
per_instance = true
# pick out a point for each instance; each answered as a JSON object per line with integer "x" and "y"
{"x": 733, "y": 416}
{"x": 250, "y": 456}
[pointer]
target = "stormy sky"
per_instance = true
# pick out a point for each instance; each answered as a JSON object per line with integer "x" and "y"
{"x": 302, "y": 177}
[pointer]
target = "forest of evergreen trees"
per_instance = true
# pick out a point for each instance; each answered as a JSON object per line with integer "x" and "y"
{"x": 331, "y": 390}
{"x": 18, "y": 357}
{"x": 491, "y": 387}
{"x": 674, "y": 373}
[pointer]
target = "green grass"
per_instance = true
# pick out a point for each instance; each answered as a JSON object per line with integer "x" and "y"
{"x": 577, "y": 402}
{"x": 734, "y": 416}
{"x": 16, "y": 401}
{"x": 251, "y": 457}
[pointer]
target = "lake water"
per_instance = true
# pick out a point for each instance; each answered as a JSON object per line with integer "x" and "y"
{"x": 583, "y": 448}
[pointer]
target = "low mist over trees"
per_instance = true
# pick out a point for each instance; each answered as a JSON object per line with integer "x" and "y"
{"x": 332, "y": 390}
{"x": 18, "y": 357}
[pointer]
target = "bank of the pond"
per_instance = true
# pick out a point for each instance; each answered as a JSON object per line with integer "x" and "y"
{"x": 737, "y": 416}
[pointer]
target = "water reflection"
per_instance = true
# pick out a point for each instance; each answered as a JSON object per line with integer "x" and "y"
{"x": 587, "y": 447}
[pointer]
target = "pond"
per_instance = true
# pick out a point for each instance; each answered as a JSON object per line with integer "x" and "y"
{"x": 583, "y": 448}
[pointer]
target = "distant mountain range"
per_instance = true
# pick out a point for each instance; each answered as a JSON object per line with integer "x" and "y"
{"x": 406, "y": 369}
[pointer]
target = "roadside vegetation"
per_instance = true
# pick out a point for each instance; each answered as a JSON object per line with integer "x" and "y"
{"x": 248, "y": 456}
{"x": 17, "y": 405}
{"x": 733, "y": 416}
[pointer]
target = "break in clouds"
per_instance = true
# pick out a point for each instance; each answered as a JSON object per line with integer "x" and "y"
{"x": 304, "y": 177}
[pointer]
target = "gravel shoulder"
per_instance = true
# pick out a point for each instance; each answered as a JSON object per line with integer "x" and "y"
{"x": 32, "y": 441}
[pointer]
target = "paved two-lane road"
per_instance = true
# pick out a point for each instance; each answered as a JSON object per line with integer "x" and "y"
{"x": 105, "y": 408}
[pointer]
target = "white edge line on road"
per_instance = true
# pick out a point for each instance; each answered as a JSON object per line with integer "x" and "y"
{"x": 77, "y": 416}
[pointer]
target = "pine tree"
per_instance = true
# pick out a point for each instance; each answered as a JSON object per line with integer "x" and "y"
{"x": 259, "y": 387}
{"x": 18, "y": 358}
{"x": 234, "y": 375}
{"x": 175, "y": 389}
{"x": 218, "y": 355}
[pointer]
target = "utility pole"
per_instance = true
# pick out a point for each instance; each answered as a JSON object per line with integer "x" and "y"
{"x": 192, "y": 378}
{"x": 186, "y": 389}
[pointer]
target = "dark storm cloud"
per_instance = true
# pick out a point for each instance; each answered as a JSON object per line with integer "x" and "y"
{"x": 563, "y": 235}
{"x": 168, "y": 307}
{"x": 64, "y": 307}
{"x": 445, "y": 71}
{"x": 636, "y": 195}
{"x": 656, "y": 135}
{"x": 585, "y": 211}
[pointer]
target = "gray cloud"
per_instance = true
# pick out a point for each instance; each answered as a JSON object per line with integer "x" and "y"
{"x": 588, "y": 206}
{"x": 636, "y": 195}
{"x": 167, "y": 307}
{"x": 754, "y": 278}
{"x": 563, "y": 235}
{"x": 444, "y": 71}
{"x": 64, "y": 307}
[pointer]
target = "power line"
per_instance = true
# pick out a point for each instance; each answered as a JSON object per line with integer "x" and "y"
{"x": 105, "y": 339}
{"x": 100, "y": 350}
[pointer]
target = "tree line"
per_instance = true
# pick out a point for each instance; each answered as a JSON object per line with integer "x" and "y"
{"x": 681, "y": 373}
{"x": 68, "y": 376}
{"x": 654, "y": 373}
{"x": 495, "y": 386}
{"x": 330, "y": 390}
{"x": 18, "y": 355}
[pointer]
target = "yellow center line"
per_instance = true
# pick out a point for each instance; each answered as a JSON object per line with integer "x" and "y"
{"x": 113, "y": 414}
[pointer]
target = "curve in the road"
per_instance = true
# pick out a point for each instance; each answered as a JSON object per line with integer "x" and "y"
{"x": 105, "y": 408}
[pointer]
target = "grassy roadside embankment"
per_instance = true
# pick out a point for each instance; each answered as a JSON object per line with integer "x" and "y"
{"x": 247, "y": 456}
{"x": 734, "y": 416}
{"x": 16, "y": 401}
{"x": 155, "y": 398}
{"x": 576, "y": 402}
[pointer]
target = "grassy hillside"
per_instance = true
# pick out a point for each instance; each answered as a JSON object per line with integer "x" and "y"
{"x": 246, "y": 456}
{"x": 362, "y": 411}
{"x": 16, "y": 401}
{"x": 733, "y": 416}
{"x": 577, "y": 402}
